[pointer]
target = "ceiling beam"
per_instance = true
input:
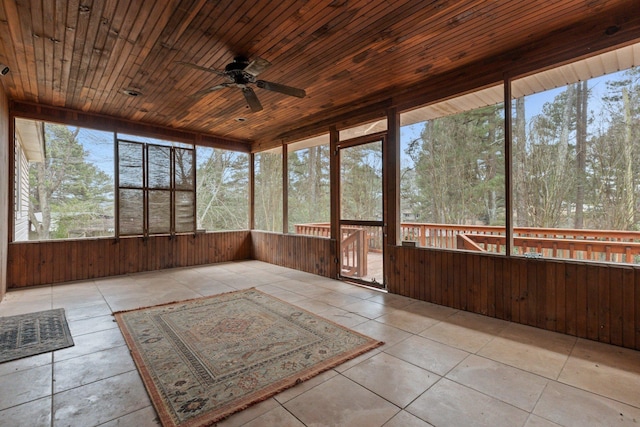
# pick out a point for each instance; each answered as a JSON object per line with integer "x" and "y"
{"x": 112, "y": 124}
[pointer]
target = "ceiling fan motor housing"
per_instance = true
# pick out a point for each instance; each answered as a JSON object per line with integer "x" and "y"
{"x": 235, "y": 71}
{"x": 241, "y": 73}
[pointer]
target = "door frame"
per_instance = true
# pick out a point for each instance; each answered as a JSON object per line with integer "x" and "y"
{"x": 339, "y": 221}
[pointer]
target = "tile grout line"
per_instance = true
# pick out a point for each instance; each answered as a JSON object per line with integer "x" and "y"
{"x": 51, "y": 407}
{"x": 53, "y": 376}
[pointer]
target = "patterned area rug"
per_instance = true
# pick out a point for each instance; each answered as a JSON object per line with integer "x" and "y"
{"x": 202, "y": 360}
{"x": 33, "y": 333}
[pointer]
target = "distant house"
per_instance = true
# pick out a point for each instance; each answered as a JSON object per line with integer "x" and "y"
{"x": 29, "y": 148}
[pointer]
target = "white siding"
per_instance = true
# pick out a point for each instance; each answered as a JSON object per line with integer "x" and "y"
{"x": 21, "y": 196}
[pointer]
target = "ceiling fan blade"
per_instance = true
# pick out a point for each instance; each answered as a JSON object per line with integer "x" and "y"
{"x": 203, "y": 92}
{"x": 198, "y": 67}
{"x": 277, "y": 87}
{"x": 257, "y": 66}
{"x": 252, "y": 99}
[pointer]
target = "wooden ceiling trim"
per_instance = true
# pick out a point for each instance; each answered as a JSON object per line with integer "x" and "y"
{"x": 575, "y": 42}
{"x": 225, "y": 144}
{"x": 55, "y": 114}
{"x": 342, "y": 119}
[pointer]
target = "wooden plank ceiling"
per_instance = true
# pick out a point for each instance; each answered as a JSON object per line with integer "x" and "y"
{"x": 347, "y": 54}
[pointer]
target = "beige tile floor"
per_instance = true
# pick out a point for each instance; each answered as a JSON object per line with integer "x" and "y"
{"x": 439, "y": 366}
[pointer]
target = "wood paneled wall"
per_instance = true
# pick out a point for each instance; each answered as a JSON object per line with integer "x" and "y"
{"x": 5, "y": 200}
{"x": 594, "y": 301}
{"x": 305, "y": 253}
{"x": 40, "y": 263}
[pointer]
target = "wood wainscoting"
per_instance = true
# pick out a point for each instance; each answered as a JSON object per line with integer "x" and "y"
{"x": 40, "y": 263}
{"x": 599, "y": 302}
{"x": 305, "y": 253}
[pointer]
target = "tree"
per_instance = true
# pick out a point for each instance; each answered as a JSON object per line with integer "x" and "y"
{"x": 361, "y": 182}
{"x": 615, "y": 147}
{"x": 582, "y": 97}
{"x": 309, "y": 192}
{"x": 580, "y": 165}
{"x": 67, "y": 188}
{"x": 459, "y": 168}
{"x": 549, "y": 177}
{"x": 268, "y": 191}
{"x": 222, "y": 189}
{"x": 519, "y": 138}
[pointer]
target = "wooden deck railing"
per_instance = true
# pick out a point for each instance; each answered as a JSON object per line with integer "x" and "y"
{"x": 352, "y": 244}
{"x": 318, "y": 230}
{"x": 592, "y": 250}
{"x": 354, "y": 254}
{"x": 596, "y": 245}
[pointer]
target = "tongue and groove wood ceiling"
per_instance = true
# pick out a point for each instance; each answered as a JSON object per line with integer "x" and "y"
{"x": 347, "y": 54}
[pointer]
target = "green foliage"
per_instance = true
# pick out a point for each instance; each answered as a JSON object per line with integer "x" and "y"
{"x": 309, "y": 190}
{"x": 610, "y": 173}
{"x": 575, "y": 163}
{"x": 73, "y": 196}
{"x": 222, "y": 189}
{"x": 458, "y": 173}
{"x": 268, "y": 191}
{"x": 361, "y": 182}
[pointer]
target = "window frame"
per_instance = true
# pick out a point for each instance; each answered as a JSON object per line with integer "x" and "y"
{"x": 147, "y": 189}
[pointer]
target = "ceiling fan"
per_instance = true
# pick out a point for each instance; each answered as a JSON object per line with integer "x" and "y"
{"x": 241, "y": 74}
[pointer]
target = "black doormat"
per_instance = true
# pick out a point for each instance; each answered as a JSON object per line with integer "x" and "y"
{"x": 33, "y": 333}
